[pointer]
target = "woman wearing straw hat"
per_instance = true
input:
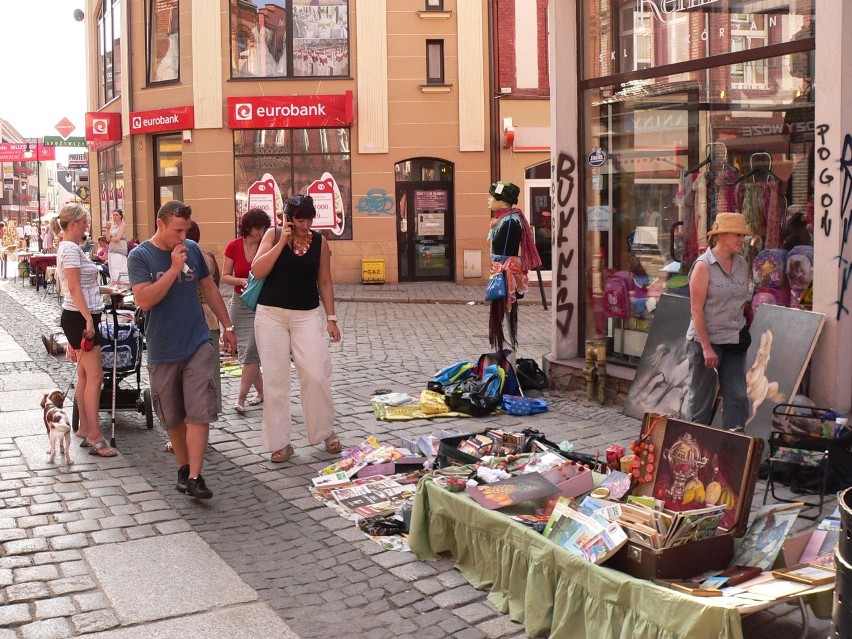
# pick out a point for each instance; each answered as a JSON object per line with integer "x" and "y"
{"x": 717, "y": 336}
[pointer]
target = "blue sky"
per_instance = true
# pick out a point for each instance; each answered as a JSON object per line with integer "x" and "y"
{"x": 42, "y": 66}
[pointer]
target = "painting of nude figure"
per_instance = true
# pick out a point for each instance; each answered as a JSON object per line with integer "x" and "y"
{"x": 782, "y": 340}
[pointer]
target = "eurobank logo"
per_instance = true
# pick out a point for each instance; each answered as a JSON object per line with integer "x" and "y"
{"x": 290, "y": 111}
{"x": 243, "y": 112}
{"x": 663, "y": 9}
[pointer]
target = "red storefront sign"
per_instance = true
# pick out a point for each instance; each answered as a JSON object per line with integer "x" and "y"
{"x": 11, "y": 152}
{"x": 290, "y": 112}
{"x": 103, "y": 127}
{"x": 162, "y": 120}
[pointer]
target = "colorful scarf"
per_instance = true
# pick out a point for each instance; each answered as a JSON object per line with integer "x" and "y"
{"x": 530, "y": 258}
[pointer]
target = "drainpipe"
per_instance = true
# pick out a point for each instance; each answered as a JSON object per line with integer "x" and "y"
{"x": 496, "y": 134}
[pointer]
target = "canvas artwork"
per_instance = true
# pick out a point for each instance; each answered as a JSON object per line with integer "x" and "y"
{"x": 511, "y": 491}
{"x": 660, "y": 384}
{"x": 782, "y": 340}
{"x": 699, "y": 466}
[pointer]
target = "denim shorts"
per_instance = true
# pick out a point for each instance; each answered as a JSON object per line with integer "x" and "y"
{"x": 185, "y": 391}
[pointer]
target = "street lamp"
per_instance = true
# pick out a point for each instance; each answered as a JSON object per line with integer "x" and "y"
{"x": 28, "y": 153}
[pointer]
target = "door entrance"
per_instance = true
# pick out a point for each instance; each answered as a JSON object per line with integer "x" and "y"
{"x": 425, "y": 220}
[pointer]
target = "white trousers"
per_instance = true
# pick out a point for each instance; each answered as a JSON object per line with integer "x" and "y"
{"x": 117, "y": 267}
{"x": 280, "y": 333}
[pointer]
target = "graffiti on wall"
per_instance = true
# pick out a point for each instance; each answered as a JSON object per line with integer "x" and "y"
{"x": 563, "y": 188}
{"x": 376, "y": 202}
{"x": 826, "y": 203}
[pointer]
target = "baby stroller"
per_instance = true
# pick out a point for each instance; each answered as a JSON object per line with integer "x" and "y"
{"x": 121, "y": 358}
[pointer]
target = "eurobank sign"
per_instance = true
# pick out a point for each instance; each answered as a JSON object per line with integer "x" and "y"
{"x": 290, "y": 111}
{"x": 162, "y": 120}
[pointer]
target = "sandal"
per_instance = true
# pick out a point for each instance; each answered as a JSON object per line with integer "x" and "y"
{"x": 239, "y": 408}
{"x": 333, "y": 445}
{"x": 281, "y": 456}
{"x": 102, "y": 449}
{"x": 254, "y": 401}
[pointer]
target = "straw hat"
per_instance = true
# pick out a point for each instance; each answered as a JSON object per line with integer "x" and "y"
{"x": 730, "y": 223}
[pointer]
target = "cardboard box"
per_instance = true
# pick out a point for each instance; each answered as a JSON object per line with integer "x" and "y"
{"x": 736, "y": 458}
{"x": 579, "y": 480}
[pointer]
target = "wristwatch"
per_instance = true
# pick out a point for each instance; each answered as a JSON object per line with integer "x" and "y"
{"x": 229, "y": 329}
{"x": 332, "y": 318}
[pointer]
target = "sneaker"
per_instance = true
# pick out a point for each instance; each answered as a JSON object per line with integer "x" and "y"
{"x": 183, "y": 477}
{"x": 198, "y": 489}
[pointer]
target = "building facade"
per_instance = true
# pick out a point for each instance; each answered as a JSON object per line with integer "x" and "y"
{"x": 378, "y": 109}
{"x": 668, "y": 112}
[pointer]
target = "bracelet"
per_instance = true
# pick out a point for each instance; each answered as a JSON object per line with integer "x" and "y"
{"x": 332, "y": 318}
{"x": 229, "y": 329}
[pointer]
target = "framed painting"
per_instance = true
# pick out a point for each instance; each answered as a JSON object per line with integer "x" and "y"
{"x": 782, "y": 341}
{"x": 661, "y": 379}
{"x": 698, "y": 466}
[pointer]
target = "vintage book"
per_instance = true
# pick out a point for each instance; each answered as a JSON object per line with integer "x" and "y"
{"x": 694, "y": 525}
{"x": 374, "y": 497}
{"x": 335, "y": 479}
{"x": 511, "y": 491}
{"x": 581, "y": 535}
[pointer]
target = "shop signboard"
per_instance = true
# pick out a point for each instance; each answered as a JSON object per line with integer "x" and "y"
{"x": 65, "y": 128}
{"x": 17, "y": 152}
{"x": 597, "y": 157}
{"x": 55, "y": 140}
{"x": 162, "y": 120}
{"x": 430, "y": 224}
{"x": 597, "y": 218}
{"x": 103, "y": 127}
{"x": 78, "y": 160}
{"x": 290, "y": 111}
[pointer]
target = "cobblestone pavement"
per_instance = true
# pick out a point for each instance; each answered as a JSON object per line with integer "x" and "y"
{"x": 79, "y": 541}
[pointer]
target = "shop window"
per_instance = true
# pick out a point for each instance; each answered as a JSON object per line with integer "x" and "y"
{"x": 168, "y": 169}
{"x": 109, "y": 51}
{"x": 163, "y": 41}
{"x": 281, "y": 39}
{"x": 297, "y": 159}
{"x": 111, "y": 183}
{"x": 434, "y": 62}
{"x": 679, "y": 150}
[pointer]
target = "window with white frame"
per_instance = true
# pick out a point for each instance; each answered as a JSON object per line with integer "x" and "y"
{"x": 109, "y": 51}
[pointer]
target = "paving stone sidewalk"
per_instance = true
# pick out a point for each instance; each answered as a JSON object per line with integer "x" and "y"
{"x": 92, "y": 548}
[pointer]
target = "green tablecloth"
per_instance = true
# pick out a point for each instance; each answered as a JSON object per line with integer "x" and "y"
{"x": 549, "y": 590}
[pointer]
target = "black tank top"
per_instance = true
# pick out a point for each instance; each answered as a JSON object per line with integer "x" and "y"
{"x": 292, "y": 282}
{"x": 514, "y": 230}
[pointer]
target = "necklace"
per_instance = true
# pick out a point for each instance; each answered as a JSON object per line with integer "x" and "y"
{"x": 300, "y": 247}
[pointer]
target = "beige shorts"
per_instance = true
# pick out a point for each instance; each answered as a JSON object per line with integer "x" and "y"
{"x": 185, "y": 391}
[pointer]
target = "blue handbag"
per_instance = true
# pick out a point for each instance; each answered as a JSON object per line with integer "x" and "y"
{"x": 496, "y": 287}
{"x": 251, "y": 293}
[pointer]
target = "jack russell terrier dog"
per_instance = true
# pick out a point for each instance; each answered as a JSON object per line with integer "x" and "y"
{"x": 57, "y": 424}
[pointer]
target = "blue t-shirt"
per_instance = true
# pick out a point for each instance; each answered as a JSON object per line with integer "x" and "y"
{"x": 174, "y": 328}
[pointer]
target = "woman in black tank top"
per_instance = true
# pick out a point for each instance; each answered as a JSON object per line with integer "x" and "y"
{"x": 296, "y": 265}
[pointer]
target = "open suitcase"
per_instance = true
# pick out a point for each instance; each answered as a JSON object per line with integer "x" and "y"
{"x": 686, "y": 452}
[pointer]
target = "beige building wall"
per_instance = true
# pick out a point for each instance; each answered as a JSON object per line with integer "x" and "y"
{"x": 422, "y": 121}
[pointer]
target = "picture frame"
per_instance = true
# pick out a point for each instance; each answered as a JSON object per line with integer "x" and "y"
{"x": 810, "y": 574}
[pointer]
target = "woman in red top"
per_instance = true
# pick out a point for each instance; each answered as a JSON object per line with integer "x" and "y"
{"x": 238, "y": 256}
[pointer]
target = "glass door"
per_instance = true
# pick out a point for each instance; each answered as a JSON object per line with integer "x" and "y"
{"x": 425, "y": 220}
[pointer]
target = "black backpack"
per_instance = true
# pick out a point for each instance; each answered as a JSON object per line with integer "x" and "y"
{"x": 530, "y": 376}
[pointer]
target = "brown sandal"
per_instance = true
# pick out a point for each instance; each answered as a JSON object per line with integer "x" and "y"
{"x": 281, "y": 456}
{"x": 333, "y": 445}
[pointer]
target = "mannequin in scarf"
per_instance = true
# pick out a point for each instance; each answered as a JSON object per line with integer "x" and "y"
{"x": 513, "y": 252}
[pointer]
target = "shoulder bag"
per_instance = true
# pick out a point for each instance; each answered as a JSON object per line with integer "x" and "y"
{"x": 251, "y": 293}
{"x": 496, "y": 287}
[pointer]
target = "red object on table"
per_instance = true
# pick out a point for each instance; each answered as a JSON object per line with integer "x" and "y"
{"x": 39, "y": 264}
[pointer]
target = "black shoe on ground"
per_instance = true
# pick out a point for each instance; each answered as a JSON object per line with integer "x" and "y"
{"x": 183, "y": 477}
{"x": 198, "y": 489}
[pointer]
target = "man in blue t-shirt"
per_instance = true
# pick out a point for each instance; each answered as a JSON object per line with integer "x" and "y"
{"x": 165, "y": 272}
